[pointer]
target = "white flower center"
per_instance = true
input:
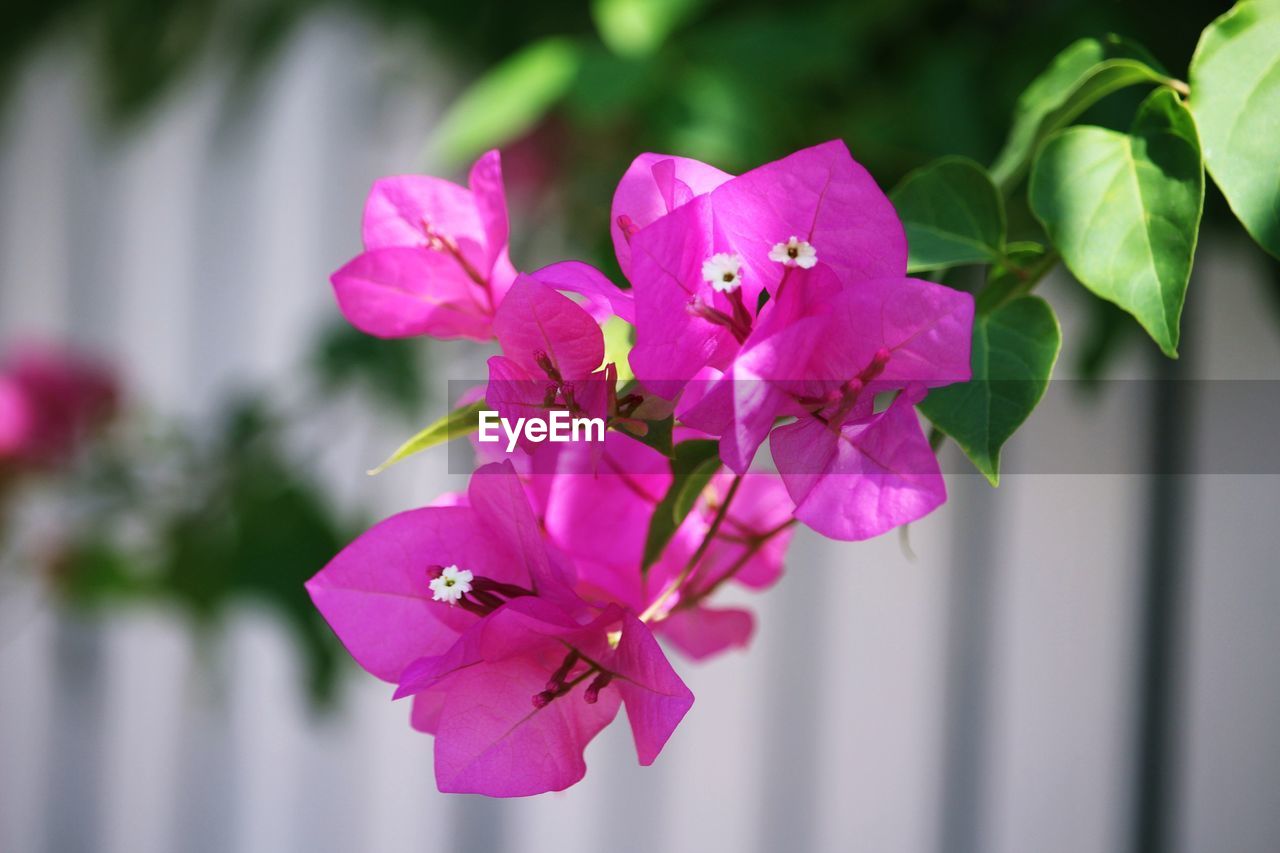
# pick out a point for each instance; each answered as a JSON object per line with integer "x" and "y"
{"x": 794, "y": 253}
{"x": 723, "y": 271}
{"x": 451, "y": 585}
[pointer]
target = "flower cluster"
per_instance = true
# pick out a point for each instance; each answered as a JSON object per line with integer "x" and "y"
{"x": 769, "y": 306}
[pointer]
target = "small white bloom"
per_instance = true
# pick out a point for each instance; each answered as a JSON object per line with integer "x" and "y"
{"x": 451, "y": 585}
{"x": 798, "y": 253}
{"x": 723, "y": 271}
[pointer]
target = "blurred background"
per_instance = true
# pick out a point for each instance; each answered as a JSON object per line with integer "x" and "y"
{"x": 1082, "y": 660}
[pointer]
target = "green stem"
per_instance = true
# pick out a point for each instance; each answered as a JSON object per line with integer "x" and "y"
{"x": 653, "y": 610}
{"x": 757, "y": 543}
{"x": 1022, "y": 281}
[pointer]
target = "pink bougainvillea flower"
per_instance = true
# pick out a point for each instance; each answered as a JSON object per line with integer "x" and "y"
{"x": 435, "y": 260}
{"x": 863, "y": 474}
{"x": 601, "y": 519}
{"x": 50, "y": 400}
{"x": 892, "y": 334}
{"x": 376, "y": 593}
{"x": 466, "y": 609}
{"x": 527, "y": 688}
{"x": 551, "y": 358}
{"x": 700, "y": 272}
{"x": 822, "y": 343}
{"x": 653, "y": 186}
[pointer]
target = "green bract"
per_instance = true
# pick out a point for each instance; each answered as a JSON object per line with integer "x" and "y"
{"x": 1014, "y": 349}
{"x": 1235, "y": 97}
{"x": 1124, "y": 210}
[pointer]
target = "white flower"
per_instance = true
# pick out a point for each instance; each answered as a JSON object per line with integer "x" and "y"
{"x": 451, "y": 585}
{"x": 799, "y": 253}
{"x": 723, "y": 271}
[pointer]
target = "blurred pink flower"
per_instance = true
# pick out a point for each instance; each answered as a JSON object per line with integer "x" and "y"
{"x": 50, "y": 400}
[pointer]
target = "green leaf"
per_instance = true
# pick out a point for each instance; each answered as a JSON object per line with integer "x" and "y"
{"x": 508, "y": 100}
{"x": 693, "y": 465}
{"x": 639, "y": 27}
{"x": 1235, "y": 97}
{"x": 459, "y": 422}
{"x": 1083, "y": 74}
{"x": 953, "y": 214}
{"x": 1124, "y": 210}
{"x": 1014, "y": 350}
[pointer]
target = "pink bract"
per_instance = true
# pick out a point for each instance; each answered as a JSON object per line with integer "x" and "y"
{"x": 435, "y": 260}
{"x": 516, "y": 679}
{"x": 50, "y": 401}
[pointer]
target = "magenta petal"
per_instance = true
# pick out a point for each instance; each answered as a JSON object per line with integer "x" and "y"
{"x": 490, "y": 200}
{"x": 536, "y": 322}
{"x": 603, "y": 298}
{"x": 601, "y": 511}
{"x": 819, "y": 195}
{"x": 397, "y": 207}
{"x": 741, "y": 409}
{"x": 425, "y": 716}
{"x": 655, "y": 697}
{"x": 870, "y": 477}
{"x": 491, "y": 740}
{"x": 652, "y": 186}
{"x": 399, "y": 292}
{"x": 375, "y": 592}
{"x": 16, "y": 418}
{"x": 498, "y": 499}
{"x": 743, "y": 405}
{"x": 672, "y": 345}
{"x": 926, "y": 328}
{"x": 704, "y": 631}
{"x": 514, "y": 394}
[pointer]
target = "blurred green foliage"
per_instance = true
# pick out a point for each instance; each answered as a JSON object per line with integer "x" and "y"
{"x": 237, "y": 519}
{"x": 732, "y": 81}
{"x": 208, "y": 514}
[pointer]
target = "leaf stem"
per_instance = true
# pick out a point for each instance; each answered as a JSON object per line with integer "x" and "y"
{"x": 757, "y": 543}
{"x": 997, "y": 292}
{"x": 652, "y": 611}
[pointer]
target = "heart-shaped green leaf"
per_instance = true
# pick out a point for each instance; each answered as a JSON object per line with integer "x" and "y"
{"x": 1124, "y": 210}
{"x": 952, "y": 214}
{"x": 1235, "y": 97}
{"x": 1080, "y": 76}
{"x": 461, "y": 421}
{"x": 1014, "y": 349}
